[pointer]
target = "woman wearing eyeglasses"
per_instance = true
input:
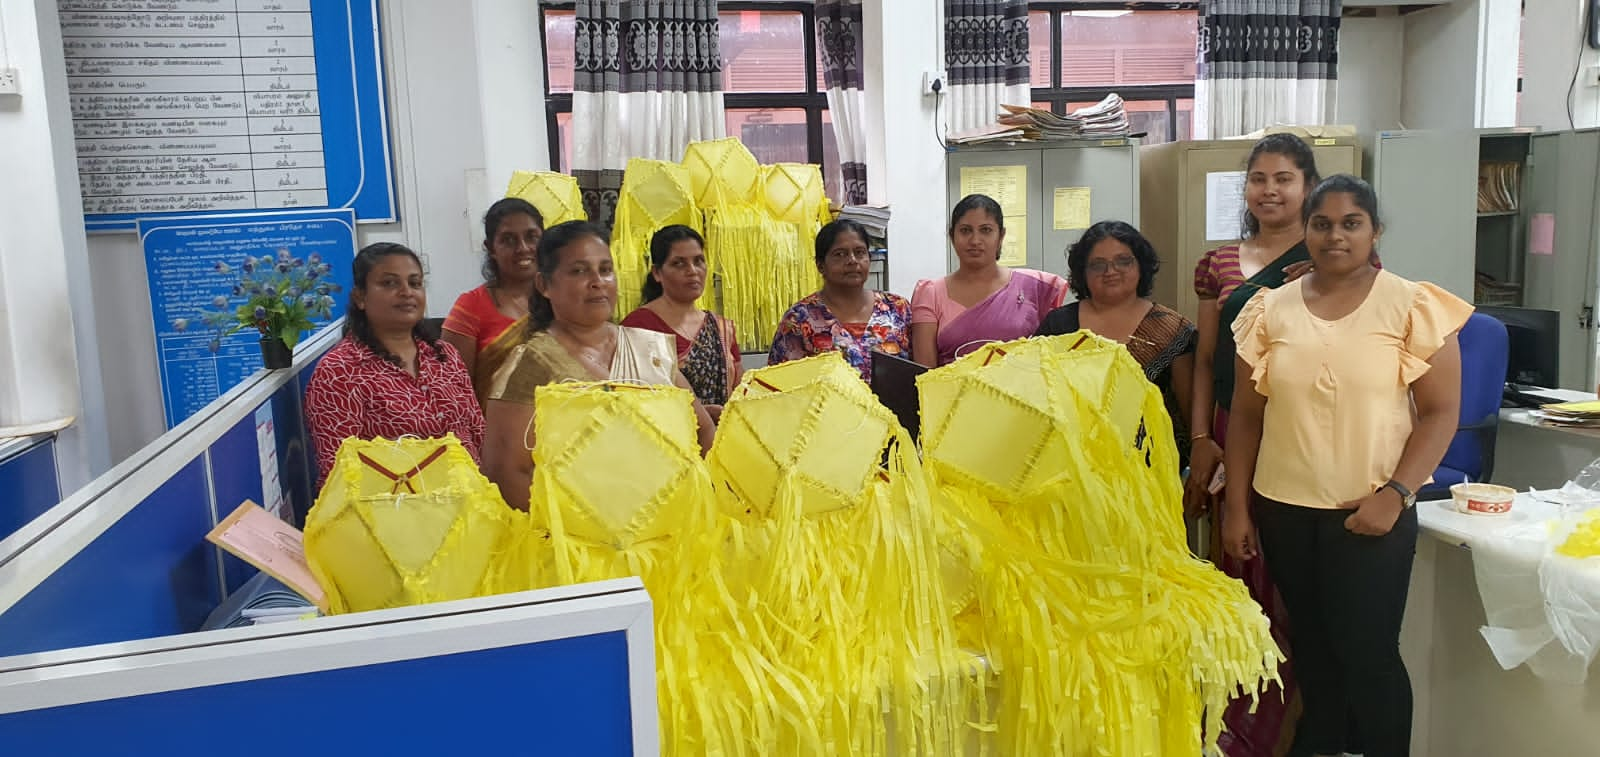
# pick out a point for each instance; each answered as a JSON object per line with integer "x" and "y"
{"x": 844, "y": 315}
{"x": 1112, "y": 268}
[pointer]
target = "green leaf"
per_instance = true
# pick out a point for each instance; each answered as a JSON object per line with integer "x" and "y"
{"x": 290, "y": 335}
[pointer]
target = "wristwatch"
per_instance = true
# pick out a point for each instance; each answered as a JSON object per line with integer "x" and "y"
{"x": 1407, "y": 498}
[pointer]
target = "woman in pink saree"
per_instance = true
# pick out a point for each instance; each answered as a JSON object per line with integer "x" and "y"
{"x": 982, "y": 301}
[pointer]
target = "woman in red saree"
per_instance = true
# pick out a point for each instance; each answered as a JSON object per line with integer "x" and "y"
{"x": 982, "y": 301}
{"x": 708, "y": 348}
{"x": 485, "y": 323}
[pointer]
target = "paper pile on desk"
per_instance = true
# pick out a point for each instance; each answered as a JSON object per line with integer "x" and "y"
{"x": 1105, "y": 119}
{"x": 1570, "y": 414}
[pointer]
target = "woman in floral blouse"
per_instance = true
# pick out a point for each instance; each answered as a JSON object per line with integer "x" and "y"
{"x": 844, "y": 315}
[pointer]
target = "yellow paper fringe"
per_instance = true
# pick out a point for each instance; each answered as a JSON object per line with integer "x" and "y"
{"x": 1055, "y": 472}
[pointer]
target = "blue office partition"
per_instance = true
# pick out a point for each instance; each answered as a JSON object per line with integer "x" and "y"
{"x": 565, "y": 671}
{"x": 28, "y": 483}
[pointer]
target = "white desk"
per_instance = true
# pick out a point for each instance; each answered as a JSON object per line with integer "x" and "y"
{"x": 1465, "y": 703}
{"x": 1531, "y": 455}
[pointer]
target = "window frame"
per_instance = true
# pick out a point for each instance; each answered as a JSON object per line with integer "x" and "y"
{"x": 814, "y": 100}
{"x": 1058, "y": 96}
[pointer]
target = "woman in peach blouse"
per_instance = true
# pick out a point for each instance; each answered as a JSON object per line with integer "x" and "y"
{"x": 1351, "y": 377}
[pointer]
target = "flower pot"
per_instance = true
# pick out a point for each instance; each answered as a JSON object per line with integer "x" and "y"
{"x": 275, "y": 354}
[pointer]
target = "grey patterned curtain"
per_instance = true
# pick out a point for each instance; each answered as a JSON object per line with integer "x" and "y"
{"x": 1265, "y": 63}
{"x": 986, "y": 58}
{"x": 839, "y": 45}
{"x": 648, "y": 82}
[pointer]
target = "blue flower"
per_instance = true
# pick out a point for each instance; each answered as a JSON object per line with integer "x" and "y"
{"x": 222, "y": 267}
{"x": 296, "y": 262}
{"x": 269, "y": 290}
{"x": 261, "y": 313}
{"x": 308, "y": 301}
{"x": 249, "y": 265}
{"x": 180, "y": 324}
{"x": 219, "y": 302}
{"x": 283, "y": 255}
{"x": 283, "y": 267}
{"x": 238, "y": 290}
{"x": 314, "y": 258}
{"x": 313, "y": 274}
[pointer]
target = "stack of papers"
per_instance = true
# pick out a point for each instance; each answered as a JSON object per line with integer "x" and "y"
{"x": 874, "y": 217}
{"x": 262, "y": 599}
{"x": 1571, "y": 414}
{"x": 1499, "y": 185}
{"x": 1105, "y": 119}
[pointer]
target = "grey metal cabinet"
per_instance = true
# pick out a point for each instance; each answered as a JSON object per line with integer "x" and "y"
{"x": 1563, "y": 181}
{"x": 1427, "y": 184}
{"x": 1058, "y": 191}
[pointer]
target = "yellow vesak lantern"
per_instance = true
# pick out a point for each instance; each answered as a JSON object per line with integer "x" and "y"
{"x": 604, "y": 523}
{"x": 794, "y": 193}
{"x": 654, "y": 194}
{"x": 764, "y": 265}
{"x": 722, "y": 172}
{"x": 556, "y": 195}
{"x": 403, "y": 522}
{"x": 1056, "y": 476}
{"x": 825, "y": 560}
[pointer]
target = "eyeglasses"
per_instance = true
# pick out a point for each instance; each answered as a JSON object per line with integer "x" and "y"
{"x": 841, "y": 255}
{"x": 1101, "y": 267}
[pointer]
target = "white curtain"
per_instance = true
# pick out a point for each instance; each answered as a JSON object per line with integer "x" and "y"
{"x": 648, "y": 82}
{"x": 1265, "y": 63}
{"x": 986, "y": 60}
{"x": 839, "y": 43}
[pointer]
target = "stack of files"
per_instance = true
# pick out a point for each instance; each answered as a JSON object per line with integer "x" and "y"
{"x": 1498, "y": 183}
{"x": 993, "y": 133}
{"x": 1489, "y": 291}
{"x": 1571, "y": 414}
{"x": 874, "y": 217}
{"x": 1105, "y": 119}
{"x": 262, "y": 599}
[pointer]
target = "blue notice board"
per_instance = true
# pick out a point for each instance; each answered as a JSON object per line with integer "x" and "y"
{"x": 248, "y": 105}
{"x": 184, "y": 261}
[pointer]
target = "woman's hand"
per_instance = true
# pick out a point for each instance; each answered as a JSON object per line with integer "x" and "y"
{"x": 1375, "y": 513}
{"x": 1294, "y": 271}
{"x": 1204, "y": 456}
{"x": 1239, "y": 536}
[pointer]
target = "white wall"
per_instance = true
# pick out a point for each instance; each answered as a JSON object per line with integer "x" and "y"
{"x": 1439, "y": 66}
{"x": 1552, "y": 50}
{"x": 1371, "y": 55}
{"x": 905, "y": 162}
{"x": 48, "y": 367}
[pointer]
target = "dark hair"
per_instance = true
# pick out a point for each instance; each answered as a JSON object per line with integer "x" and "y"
{"x": 1291, "y": 147}
{"x": 661, "y": 244}
{"x": 829, "y": 234}
{"x": 502, "y": 209}
{"x": 984, "y": 203}
{"x": 556, "y": 238}
{"x": 1143, "y": 251}
{"x": 1360, "y": 191}
{"x": 355, "y": 319}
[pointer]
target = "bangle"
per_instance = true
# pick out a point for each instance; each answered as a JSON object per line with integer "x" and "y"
{"x": 1199, "y": 436}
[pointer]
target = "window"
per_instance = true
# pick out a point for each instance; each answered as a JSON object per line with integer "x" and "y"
{"x": 771, "y": 81}
{"x": 1145, "y": 52}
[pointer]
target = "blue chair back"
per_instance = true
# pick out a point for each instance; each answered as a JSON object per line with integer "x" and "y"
{"x": 1484, "y": 352}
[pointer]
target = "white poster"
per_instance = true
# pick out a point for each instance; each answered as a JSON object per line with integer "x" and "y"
{"x": 267, "y": 447}
{"x": 1224, "y": 206}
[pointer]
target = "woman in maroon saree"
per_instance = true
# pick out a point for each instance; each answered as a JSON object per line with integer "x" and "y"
{"x": 982, "y": 301}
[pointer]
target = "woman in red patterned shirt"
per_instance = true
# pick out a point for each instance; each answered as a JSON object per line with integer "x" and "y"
{"x": 387, "y": 378}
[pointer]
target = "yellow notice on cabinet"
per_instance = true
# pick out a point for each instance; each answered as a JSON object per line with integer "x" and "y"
{"x": 1008, "y": 186}
{"x": 1071, "y": 208}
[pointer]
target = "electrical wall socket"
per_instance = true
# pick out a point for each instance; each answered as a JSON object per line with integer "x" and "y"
{"x": 8, "y": 82}
{"x": 934, "y": 82}
{"x": 1591, "y": 76}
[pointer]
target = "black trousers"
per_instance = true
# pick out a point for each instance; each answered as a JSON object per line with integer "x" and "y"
{"x": 1345, "y": 595}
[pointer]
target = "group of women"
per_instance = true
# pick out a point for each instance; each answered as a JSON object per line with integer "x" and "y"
{"x": 1327, "y": 386}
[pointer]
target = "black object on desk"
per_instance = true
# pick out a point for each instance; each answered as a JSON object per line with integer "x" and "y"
{"x": 1534, "y": 342}
{"x": 894, "y": 381}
